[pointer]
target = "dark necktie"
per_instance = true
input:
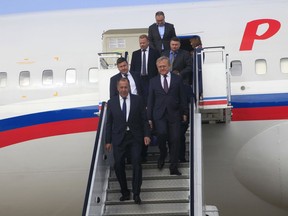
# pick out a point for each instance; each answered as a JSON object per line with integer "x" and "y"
{"x": 144, "y": 71}
{"x": 124, "y": 107}
{"x": 165, "y": 83}
{"x": 126, "y": 75}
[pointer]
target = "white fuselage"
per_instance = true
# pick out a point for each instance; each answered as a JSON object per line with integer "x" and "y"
{"x": 46, "y": 144}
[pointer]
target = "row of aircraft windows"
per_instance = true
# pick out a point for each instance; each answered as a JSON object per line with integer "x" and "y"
{"x": 71, "y": 74}
{"x": 260, "y": 67}
{"x": 47, "y": 77}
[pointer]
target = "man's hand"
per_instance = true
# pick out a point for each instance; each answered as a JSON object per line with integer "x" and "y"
{"x": 176, "y": 72}
{"x": 151, "y": 124}
{"x": 147, "y": 140}
{"x": 185, "y": 118}
{"x": 108, "y": 147}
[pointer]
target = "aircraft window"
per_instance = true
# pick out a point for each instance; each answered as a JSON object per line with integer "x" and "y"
{"x": 24, "y": 78}
{"x": 47, "y": 77}
{"x": 260, "y": 66}
{"x": 3, "y": 79}
{"x": 213, "y": 57}
{"x": 92, "y": 75}
{"x": 117, "y": 43}
{"x": 71, "y": 75}
{"x": 284, "y": 65}
{"x": 236, "y": 68}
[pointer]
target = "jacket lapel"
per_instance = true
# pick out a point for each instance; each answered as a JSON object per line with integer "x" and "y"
{"x": 132, "y": 107}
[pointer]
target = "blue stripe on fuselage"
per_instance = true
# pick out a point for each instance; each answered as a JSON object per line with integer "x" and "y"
{"x": 49, "y": 116}
{"x": 259, "y": 100}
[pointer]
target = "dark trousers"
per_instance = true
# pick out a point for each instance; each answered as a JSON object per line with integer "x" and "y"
{"x": 184, "y": 125}
{"x": 145, "y": 88}
{"x": 144, "y": 80}
{"x": 182, "y": 147}
{"x": 168, "y": 131}
{"x": 129, "y": 144}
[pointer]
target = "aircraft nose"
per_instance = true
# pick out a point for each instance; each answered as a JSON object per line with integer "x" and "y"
{"x": 262, "y": 165}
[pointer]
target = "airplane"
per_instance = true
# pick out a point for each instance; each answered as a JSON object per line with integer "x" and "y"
{"x": 52, "y": 86}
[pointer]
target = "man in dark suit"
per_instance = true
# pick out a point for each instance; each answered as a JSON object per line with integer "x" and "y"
{"x": 126, "y": 128}
{"x": 143, "y": 64}
{"x": 181, "y": 65}
{"x": 123, "y": 67}
{"x": 167, "y": 107}
{"x": 180, "y": 60}
{"x": 145, "y": 70}
{"x": 160, "y": 33}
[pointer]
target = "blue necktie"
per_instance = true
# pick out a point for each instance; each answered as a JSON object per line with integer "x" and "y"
{"x": 124, "y": 108}
{"x": 172, "y": 57}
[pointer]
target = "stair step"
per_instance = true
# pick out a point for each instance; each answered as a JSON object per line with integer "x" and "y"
{"x": 156, "y": 201}
{"x": 153, "y": 196}
{"x": 155, "y": 183}
{"x": 159, "y": 177}
{"x": 147, "y": 172}
{"x": 150, "y": 209}
{"x": 159, "y": 189}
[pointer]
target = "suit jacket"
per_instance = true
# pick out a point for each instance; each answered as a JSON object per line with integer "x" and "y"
{"x": 174, "y": 102}
{"x": 136, "y": 62}
{"x": 155, "y": 38}
{"x": 183, "y": 64}
{"x": 116, "y": 123}
{"x": 118, "y": 76}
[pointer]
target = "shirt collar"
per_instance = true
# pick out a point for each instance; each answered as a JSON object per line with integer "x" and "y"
{"x": 122, "y": 74}
{"x": 168, "y": 74}
{"x": 128, "y": 97}
{"x": 171, "y": 52}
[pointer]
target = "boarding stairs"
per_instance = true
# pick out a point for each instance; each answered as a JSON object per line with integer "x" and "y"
{"x": 161, "y": 193}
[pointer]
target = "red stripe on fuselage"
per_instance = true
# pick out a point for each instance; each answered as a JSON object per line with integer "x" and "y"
{"x": 218, "y": 102}
{"x": 263, "y": 113}
{"x": 14, "y": 136}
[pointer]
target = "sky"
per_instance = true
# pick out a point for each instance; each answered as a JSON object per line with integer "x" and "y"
{"x": 24, "y": 6}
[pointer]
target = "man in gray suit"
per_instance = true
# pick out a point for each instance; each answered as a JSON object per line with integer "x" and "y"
{"x": 160, "y": 33}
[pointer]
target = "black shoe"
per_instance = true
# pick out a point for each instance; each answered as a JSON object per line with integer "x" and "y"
{"x": 137, "y": 199}
{"x": 160, "y": 163}
{"x": 144, "y": 160}
{"x": 125, "y": 197}
{"x": 183, "y": 160}
{"x": 175, "y": 172}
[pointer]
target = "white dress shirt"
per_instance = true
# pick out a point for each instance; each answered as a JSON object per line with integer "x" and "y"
{"x": 147, "y": 56}
{"x": 161, "y": 30}
{"x": 132, "y": 83}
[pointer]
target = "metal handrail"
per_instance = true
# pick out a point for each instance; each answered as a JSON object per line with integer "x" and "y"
{"x": 100, "y": 130}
